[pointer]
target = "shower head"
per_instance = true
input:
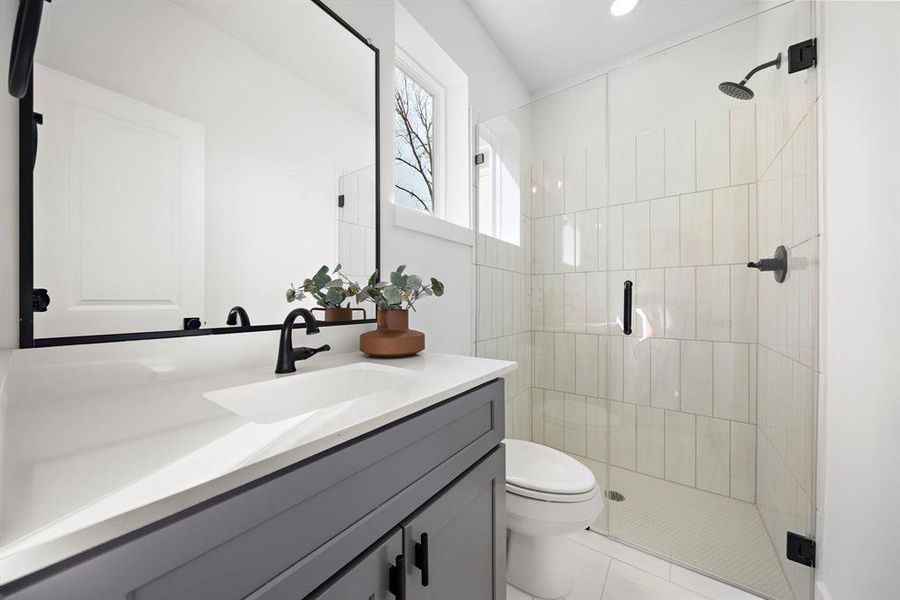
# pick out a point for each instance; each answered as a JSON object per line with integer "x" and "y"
{"x": 740, "y": 90}
{"x": 736, "y": 90}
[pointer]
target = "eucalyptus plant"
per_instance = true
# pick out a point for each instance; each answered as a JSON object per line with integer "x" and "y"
{"x": 329, "y": 288}
{"x": 401, "y": 292}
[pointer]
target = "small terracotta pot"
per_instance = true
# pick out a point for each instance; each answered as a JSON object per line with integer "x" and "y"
{"x": 393, "y": 338}
{"x": 339, "y": 314}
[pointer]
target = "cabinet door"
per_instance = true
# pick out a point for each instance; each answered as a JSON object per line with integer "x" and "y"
{"x": 367, "y": 577}
{"x": 456, "y": 545}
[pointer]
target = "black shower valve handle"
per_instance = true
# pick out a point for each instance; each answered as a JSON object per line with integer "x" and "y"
{"x": 777, "y": 264}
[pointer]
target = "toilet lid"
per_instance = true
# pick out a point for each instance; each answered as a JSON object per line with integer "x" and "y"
{"x": 540, "y": 468}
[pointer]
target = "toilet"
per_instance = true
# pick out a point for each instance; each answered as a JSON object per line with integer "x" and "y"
{"x": 549, "y": 496}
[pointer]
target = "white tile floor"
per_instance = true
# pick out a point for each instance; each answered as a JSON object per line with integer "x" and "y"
{"x": 607, "y": 570}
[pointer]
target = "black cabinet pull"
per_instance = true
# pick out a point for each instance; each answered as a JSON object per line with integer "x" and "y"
{"x": 626, "y": 309}
{"x": 421, "y": 558}
{"x": 397, "y": 578}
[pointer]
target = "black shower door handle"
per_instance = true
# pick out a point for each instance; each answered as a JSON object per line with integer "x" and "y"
{"x": 626, "y": 308}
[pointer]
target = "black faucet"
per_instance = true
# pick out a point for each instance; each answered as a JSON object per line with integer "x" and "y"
{"x": 287, "y": 354}
{"x": 237, "y": 315}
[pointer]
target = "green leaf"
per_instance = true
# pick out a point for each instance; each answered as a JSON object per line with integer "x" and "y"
{"x": 373, "y": 278}
{"x": 380, "y": 285}
{"x": 392, "y": 294}
{"x": 334, "y": 283}
{"x": 291, "y": 295}
{"x": 401, "y": 268}
{"x": 337, "y": 268}
{"x": 334, "y": 297}
{"x": 413, "y": 282}
{"x": 437, "y": 287}
{"x": 397, "y": 278}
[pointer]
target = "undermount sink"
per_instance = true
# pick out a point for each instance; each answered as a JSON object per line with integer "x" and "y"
{"x": 288, "y": 397}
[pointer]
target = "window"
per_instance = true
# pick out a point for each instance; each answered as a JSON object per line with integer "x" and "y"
{"x": 499, "y": 190}
{"x": 414, "y": 143}
{"x": 432, "y": 152}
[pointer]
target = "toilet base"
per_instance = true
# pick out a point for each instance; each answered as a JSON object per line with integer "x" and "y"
{"x": 539, "y": 566}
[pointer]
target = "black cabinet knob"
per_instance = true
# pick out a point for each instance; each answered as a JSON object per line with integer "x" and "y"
{"x": 777, "y": 264}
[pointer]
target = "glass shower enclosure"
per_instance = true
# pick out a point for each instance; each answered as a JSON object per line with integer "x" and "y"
{"x": 700, "y": 424}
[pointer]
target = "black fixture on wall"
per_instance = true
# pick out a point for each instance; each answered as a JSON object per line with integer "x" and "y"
{"x": 740, "y": 90}
{"x": 777, "y": 264}
{"x": 24, "y": 43}
{"x": 626, "y": 308}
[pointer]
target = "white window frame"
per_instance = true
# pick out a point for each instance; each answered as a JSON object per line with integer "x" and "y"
{"x": 417, "y": 73}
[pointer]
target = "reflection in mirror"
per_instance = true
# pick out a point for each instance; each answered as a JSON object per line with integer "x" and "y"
{"x": 197, "y": 156}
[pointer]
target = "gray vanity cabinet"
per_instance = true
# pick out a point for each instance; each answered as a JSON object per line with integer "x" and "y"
{"x": 369, "y": 576}
{"x": 446, "y": 547}
{"x": 329, "y": 527}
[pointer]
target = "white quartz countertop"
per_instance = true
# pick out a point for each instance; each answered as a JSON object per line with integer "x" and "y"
{"x": 80, "y": 473}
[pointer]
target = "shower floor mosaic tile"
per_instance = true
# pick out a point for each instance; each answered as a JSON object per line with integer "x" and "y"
{"x": 714, "y": 534}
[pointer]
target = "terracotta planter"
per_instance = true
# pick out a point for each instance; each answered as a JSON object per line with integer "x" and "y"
{"x": 393, "y": 338}
{"x": 339, "y": 314}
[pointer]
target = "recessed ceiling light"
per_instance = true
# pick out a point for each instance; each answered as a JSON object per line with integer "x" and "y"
{"x": 622, "y": 7}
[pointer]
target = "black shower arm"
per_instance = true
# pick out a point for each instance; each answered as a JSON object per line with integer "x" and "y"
{"x": 772, "y": 63}
{"x": 24, "y": 42}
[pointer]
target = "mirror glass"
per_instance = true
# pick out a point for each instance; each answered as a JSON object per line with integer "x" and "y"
{"x": 194, "y": 156}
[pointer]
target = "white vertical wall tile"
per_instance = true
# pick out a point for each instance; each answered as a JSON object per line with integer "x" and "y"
{"x": 680, "y": 447}
{"x": 595, "y": 303}
{"x": 483, "y": 317}
{"x": 713, "y": 451}
{"x": 636, "y": 235}
{"x": 743, "y": 462}
{"x": 650, "y": 455}
{"x": 602, "y": 366}
{"x": 587, "y": 241}
{"x": 536, "y": 197}
{"x": 713, "y": 304}
{"x": 554, "y": 186}
{"x": 713, "y": 168}
{"x": 614, "y": 374}
{"x": 586, "y": 360}
{"x": 575, "y": 424}
{"x": 622, "y": 434}
{"x": 731, "y": 383}
{"x": 650, "y": 156}
{"x": 649, "y": 303}
{"x": 743, "y": 304}
{"x": 665, "y": 373}
{"x": 554, "y": 302}
{"x": 564, "y": 243}
{"x": 543, "y": 245}
{"x": 575, "y": 302}
{"x": 544, "y": 358}
{"x": 680, "y": 168}
{"x": 496, "y": 303}
{"x": 597, "y": 439}
{"x": 595, "y": 159}
{"x": 681, "y": 318}
{"x": 731, "y": 226}
{"x": 536, "y": 298}
{"x": 614, "y": 234}
{"x": 508, "y": 299}
{"x": 554, "y": 420}
{"x": 537, "y": 415}
{"x": 636, "y": 364}
{"x": 697, "y": 377}
{"x": 564, "y": 369}
{"x": 664, "y": 232}
{"x": 743, "y": 144}
{"x": 696, "y": 229}
{"x": 575, "y": 182}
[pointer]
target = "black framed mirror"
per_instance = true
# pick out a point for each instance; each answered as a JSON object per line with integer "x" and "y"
{"x": 183, "y": 163}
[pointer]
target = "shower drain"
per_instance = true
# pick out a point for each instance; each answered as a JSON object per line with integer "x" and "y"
{"x": 615, "y": 496}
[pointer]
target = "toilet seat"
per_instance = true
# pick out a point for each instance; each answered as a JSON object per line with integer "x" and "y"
{"x": 543, "y": 473}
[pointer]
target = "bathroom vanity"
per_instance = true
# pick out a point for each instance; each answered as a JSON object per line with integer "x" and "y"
{"x": 396, "y": 494}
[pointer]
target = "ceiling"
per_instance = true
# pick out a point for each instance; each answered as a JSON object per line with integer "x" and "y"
{"x": 549, "y": 42}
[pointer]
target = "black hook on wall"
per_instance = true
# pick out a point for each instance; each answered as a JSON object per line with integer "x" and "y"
{"x": 24, "y": 42}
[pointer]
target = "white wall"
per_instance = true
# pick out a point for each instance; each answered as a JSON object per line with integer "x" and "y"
{"x": 493, "y": 89}
{"x": 859, "y": 449}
